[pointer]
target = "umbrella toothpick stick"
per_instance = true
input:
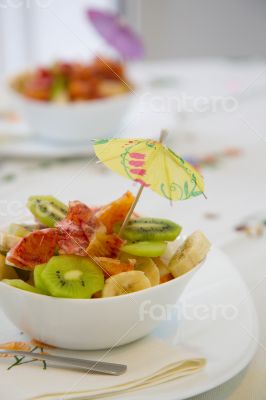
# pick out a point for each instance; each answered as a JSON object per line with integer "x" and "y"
{"x": 132, "y": 208}
{"x": 130, "y": 212}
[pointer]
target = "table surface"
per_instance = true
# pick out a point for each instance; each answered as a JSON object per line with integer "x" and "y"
{"x": 228, "y": 145}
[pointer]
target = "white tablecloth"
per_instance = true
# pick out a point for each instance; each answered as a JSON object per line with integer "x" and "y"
{"x": 235, "y": 185}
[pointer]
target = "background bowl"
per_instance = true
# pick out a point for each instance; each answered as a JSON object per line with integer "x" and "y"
{"x": 91, "y": 324}
{"x": 72, "y": 122}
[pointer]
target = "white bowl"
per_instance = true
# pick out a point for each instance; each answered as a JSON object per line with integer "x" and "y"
{"x": 72, "y": 122}
{"x": 90, "y": 324}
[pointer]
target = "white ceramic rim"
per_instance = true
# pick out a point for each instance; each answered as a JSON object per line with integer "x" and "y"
{"x": 247, "y": 358}
{"x": 225, "y": 377}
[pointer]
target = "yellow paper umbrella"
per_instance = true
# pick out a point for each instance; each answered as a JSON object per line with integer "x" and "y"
{"x": 151, "y": 164}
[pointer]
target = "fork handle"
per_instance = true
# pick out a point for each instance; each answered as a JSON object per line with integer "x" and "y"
{"x": 87, "y": 365}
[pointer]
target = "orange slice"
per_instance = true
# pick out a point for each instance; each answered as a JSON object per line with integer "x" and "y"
{"x": 111, "y": 266}
{"x": 116, "y": 211}
{"x": 103, "y": 245}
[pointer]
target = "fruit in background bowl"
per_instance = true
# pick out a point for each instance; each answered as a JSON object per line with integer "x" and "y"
{"x": 73, "y": 102}
{"x": 71, "y": 82}
{"x": 86, "y": 281}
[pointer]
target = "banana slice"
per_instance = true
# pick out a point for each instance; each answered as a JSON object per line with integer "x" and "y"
{"x": 189, "y": 254}
{"x": 162, "y": 266}
{"x": 125, "y": 282}
{"x": 7, "y": 241}
{"x": 171, "y": 249}
{"x": 149, "y": 268}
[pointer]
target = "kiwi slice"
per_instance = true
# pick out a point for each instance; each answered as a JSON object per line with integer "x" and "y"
{"x": 155, "y": 229}
{"x": 47, "y": 209}
{"x": 145, "y": 249}
{"x": 32, "y": 227}
{"x": 17, "y": 230}
{"x": 20, "y": 284}
{"x": 72, "y": 276}
{"x": 37, "y": 277}
{"x": 22, "y": 230}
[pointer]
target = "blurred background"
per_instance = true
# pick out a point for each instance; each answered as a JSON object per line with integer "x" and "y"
{"x": 196, "y": 68}
{"x": 40, "y": 31}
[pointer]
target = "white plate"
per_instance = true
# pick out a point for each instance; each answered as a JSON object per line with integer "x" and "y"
{"x": 23, "y": 145}
{"x": 226, "y": 334}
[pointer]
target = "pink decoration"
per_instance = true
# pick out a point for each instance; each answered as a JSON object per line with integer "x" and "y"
{"x": 138, "y": 171}
{"x": 138, "y": 180}
{"x": 136, "y": 163}
{"x": 138, "y": 156}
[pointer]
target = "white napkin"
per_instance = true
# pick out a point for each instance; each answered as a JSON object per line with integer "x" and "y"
{"x": 150, "y": 362}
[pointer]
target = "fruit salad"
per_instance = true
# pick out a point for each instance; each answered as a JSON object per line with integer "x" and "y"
{"x": 70, "y": 82}
{"x": 77, "y": 251}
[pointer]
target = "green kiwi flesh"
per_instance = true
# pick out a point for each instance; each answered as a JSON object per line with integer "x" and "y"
{"x": 18, "y": 230}
{"x": 145, "y": 249}
{"x": 19, "y": 284}
{"x": 37, "y": 276}
{"x": 22, "y": 230}
{"x": 47, "y": 209}
{"x": 72, "y": 277}
{"x": 154, "y": 229}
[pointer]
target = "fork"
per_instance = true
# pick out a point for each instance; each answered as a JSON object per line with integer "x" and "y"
{"x": 87, "y": 365}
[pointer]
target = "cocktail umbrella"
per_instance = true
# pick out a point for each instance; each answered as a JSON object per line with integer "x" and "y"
{"x": 116, "y": 33}
{"x": 151, "y": 164}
